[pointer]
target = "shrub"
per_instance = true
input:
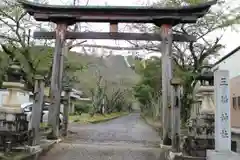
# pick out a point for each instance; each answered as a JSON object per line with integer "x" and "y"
{"x": 82, "y": 107}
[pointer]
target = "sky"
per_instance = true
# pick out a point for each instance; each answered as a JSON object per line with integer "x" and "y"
{"x": 231, "y": 38}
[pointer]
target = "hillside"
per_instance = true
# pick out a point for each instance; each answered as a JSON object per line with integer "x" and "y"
{"x": 112, "y": 68}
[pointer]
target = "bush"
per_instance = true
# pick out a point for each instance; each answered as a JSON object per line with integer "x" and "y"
{"x": 82, "y": 107}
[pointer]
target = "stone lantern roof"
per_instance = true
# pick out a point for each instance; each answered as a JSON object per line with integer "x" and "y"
{"x": 206, "y": 76}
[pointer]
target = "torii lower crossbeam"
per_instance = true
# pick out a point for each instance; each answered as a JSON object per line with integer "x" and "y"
{"x": 114, "y": 35}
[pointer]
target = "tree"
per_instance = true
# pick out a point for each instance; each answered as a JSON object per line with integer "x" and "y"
{"x": 191, "y": 58}
{"x": 116, "y": 101}
{"x": 18, "y": 45}
{"x": 3, "y": 67}
{"x": 17, "y": 41}
{"x": 31, "y": 64}
{"x": 147, "y": 91}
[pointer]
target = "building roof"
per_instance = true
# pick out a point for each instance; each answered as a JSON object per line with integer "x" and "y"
{"x": 226, "y": 56}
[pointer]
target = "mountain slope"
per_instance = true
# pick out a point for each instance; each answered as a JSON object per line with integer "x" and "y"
{"x": 112, "y": 68}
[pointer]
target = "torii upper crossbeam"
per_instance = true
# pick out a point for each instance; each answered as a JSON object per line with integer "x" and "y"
{"x": 117, "y": 14}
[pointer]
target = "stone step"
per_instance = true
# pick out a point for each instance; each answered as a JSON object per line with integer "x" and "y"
{"x": 189, "y": 158}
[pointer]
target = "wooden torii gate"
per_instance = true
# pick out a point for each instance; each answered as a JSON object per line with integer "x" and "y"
{"x": 64, "y": 16}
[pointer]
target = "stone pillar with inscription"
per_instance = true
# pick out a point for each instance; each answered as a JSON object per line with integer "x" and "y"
{"x": 222, "y": 119}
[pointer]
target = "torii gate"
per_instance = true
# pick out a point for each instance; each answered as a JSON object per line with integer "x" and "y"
{"x": 64, "y": 16}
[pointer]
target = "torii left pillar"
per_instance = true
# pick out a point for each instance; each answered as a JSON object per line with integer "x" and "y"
{"x": 55, "y": 89}
{"x": 167, "y": 89}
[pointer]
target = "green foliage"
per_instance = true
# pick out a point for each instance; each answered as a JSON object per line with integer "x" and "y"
{"x": 112, "y": 68}
{"x": 38, "y": 60}
{"x": 191, "y": 58}
{"x": 117, "y": 101}
{"x": 28, "y": 62}
{"x": 83, "y": 107}
{"x": 151, "y": 74}
{"x": 114, "y": 101}
{"x": 18, "y": 46}
{"x": 148, "y": 90}
{"x": 98, "y": 95}
{"x": 3, "y": 68}
{"x": 143, "y": 93}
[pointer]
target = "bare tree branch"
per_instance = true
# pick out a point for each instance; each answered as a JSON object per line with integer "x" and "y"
{"x": 76, "y": 45}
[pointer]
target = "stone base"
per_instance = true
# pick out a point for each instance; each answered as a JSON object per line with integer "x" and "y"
{"x": 214, "y": 155}
{"x": 197, "y": 147}
{"x": 12, "y": 100}
{"x": 165, "y": 146}
{"x": 10, "y": 110}
{"x": 13, "y": 124}
{"x": 172, "y": 155}
{"x": 13, "y": 85}
{"x": 33, "y": 149}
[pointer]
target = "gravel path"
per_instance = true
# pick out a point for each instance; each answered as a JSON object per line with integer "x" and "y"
{"x": 125, "y": 138}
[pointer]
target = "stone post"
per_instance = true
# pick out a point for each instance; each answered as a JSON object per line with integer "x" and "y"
{"x": 37, "y": 108}
{"x": 66, "y": 102}
{"x": 176, "y": 117}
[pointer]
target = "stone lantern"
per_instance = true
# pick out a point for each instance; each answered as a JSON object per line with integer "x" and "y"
{"x": 14, "y": 85}
{"x": 203, "y": 110}
{"x": 194, "y": 114}
{"x": 12, "y": 118}
{"x": 205, "y": 124}
{"x": 194, "y": 109}
{"x": 198, "y": 104}
{"x": 201, "y": 131}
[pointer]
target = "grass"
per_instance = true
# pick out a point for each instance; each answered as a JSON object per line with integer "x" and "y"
{"x": 155, "y": 124}
{"x": 152, "y": 122}
{"x": 85, "y": 118}
{"x": 43, "y": 125}
{"x": 13, "y": 155}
